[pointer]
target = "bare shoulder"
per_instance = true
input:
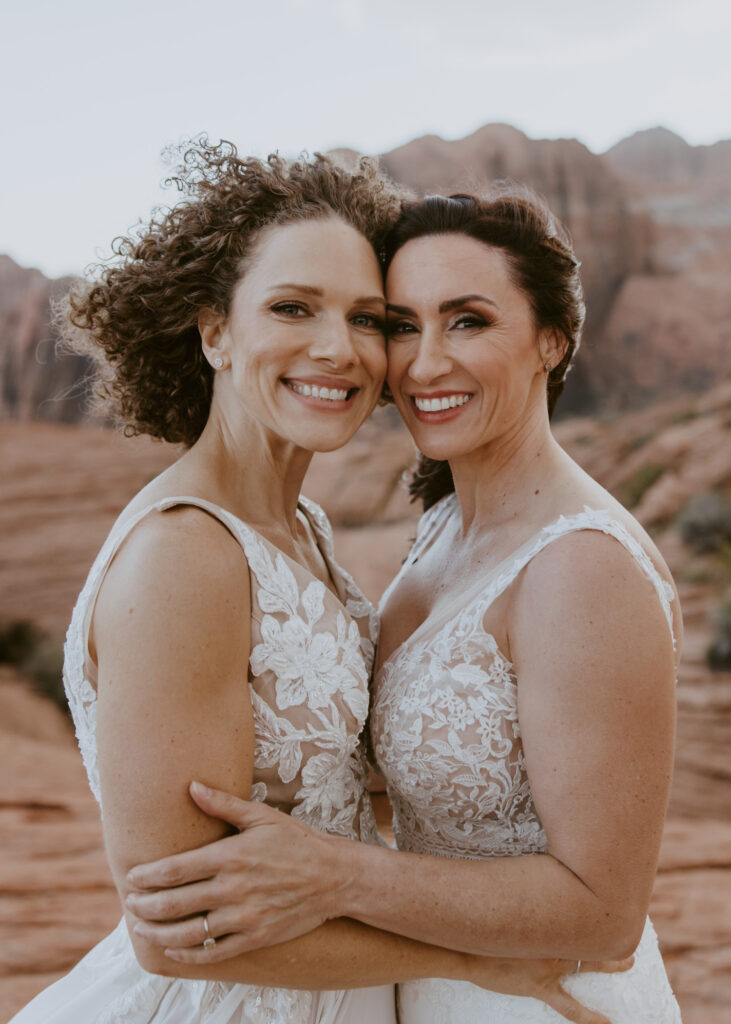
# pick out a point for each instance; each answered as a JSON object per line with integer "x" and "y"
{"x": 586, "y": 588}
{"x": 175, "y": 568}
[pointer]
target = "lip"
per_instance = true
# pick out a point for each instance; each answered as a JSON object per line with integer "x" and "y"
{"x": 438, "y": 394}
{"x": 339, "y": 383}
{"x": 441, "y": 415}
{"x": 317, "y": 404}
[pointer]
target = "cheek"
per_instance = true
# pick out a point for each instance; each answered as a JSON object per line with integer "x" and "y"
{"x": 396, "y": 364}
{"x": 376, "y": 361}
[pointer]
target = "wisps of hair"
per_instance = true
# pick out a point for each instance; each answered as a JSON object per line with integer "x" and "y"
{"x": 137, "y": 314}
{"x": 541, "y": 260}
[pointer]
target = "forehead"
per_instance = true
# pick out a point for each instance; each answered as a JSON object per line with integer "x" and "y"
{"x": 451, "y": 264}
{"x": 314, "y": 252}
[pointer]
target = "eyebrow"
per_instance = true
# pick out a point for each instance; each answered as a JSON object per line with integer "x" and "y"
{"x": 290, "y": 286}
{"x": 309, "y": 289}
{"x": 444, "y": 307}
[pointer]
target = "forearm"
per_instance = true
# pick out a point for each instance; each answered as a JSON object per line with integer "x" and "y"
{"x": 523, "y": 906}
{"x": 339, "y": 954}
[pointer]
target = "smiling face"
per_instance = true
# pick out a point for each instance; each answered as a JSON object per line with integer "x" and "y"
{"x": 464, "y": 360}
{"x": 303, "y": 347}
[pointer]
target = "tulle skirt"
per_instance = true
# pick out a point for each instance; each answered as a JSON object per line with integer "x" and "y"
{"x": 641, "y": 995}
{"x": 109, "y": 987}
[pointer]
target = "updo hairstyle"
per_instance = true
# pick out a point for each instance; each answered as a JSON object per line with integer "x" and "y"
{"x": 541, "y": 262}
{"x": 138, "y": 314}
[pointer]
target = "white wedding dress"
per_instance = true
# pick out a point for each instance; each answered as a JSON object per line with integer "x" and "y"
{"x": 311, "y": 658}
{"x": 446, "y": 736}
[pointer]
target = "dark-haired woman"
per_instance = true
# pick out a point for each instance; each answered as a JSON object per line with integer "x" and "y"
{"x": 216, "y": 637}
{"x": 523, "y": 704}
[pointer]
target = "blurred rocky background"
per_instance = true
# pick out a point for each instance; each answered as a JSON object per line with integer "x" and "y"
{"x": 647, "y": 412}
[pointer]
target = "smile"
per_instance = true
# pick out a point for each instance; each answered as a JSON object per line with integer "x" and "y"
{"x": 440, "y": 404}
{"x": 322, "y": 393}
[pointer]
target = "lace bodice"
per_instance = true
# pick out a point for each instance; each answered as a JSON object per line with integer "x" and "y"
{"x": 311, "y": 658}
{"x": 444, "y": 722}
{"x": 309, "y": 670}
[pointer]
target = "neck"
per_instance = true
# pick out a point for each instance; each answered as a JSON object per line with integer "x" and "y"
{"x": 253, "y": 472}
{"x": 508, "y": 477}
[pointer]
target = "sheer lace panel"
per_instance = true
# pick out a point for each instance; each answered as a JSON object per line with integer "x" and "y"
{"x": 311, "y": 657}
{"x": 445, "y": 724}
{"x": 310, "y": 664}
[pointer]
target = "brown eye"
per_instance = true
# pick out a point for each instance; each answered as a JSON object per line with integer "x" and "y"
{"x": 399, "y": 328}
{"x": 468, "y": 321}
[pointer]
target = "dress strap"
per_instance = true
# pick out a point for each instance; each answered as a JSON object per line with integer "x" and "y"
{"x": 248, "y": 538}
{"x": 429, "y": 527}
{"x": 589, "y": 519}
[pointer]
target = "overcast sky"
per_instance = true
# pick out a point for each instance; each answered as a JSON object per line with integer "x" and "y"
{"x": 93, "y": 90}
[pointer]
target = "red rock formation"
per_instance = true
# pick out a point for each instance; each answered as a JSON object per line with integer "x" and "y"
{"x": 610, "y": 239}
{"x": 650, "y": 220}
{"x": 36, "y": 382}
{"x": 64, "y": 485}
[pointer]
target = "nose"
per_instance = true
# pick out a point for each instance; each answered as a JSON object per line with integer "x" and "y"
{"x": 334, "y": 345}
{"x": 431, "y": 361}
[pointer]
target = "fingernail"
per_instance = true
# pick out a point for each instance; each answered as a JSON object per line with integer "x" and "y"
{"x": 172, "y": 954}
{"x": 200, "y": 789}
{"x": 139, "y": 929}
{"x": 129, "y": 899}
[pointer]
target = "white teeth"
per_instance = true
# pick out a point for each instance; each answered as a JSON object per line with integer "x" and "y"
{"x": 328, "y": 394}
{"x": 439, "y": 404}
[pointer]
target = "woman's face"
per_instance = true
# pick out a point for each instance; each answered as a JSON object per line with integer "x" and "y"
{"x": 304, "y": 337}
{"x": 464, "y": 364}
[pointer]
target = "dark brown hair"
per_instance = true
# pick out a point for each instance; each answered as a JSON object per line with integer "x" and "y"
{"x": 137, "y": 316}
{"x": 541, "y": 261}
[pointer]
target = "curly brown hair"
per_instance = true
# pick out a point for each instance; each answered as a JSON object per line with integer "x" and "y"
{"x": 542, "y": 263}
{"x": 137, "y": 315}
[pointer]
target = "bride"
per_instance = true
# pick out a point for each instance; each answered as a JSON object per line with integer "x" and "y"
{"x": 523, "y": 703}
{"x": 216, "y": 637}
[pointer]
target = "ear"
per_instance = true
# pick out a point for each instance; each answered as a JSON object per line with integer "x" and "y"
{"x": 552, "y": 346}
{"x": 214, "y": 338}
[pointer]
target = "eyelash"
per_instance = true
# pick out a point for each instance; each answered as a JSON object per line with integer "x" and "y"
{"x": 287, "y": 308}
{"x": 465, "y": 321}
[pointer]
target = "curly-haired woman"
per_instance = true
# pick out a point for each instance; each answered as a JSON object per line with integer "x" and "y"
{"x": 216, "y": 638}
{"x": 523, "y": 704}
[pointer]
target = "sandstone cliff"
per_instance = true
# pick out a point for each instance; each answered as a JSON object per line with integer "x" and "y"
{"x": 651, "y": 222}
{"x": 36, "y": 382}
{"x": 63, "y": 487}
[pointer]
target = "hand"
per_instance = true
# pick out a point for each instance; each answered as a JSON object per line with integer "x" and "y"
{"x": 274, "y": 881}
{"x": 541, "y": 979}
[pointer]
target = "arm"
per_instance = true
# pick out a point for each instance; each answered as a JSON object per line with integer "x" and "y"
{"x": 596, "y": 671}
{"x": 596, "y": 703}
{"x": 171, "y": 630}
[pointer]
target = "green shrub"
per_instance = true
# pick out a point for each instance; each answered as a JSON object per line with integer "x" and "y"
{"x": 18, "y": 640}
{"x": 705, "y": 523}
{"x": 633, "y": 490}
{"x": 718, "y": 654}
{"x": 37, "y": 655}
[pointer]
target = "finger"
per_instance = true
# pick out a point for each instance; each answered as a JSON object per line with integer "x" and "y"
{"x": 606, "y": 966}
{"x": 565, "y": 1004}
{"x": 224, "y": 949}
{"x": 180, "y": 869}
{"x": 241, "y": 813}
{"x": 228, "y": 922}
{"x": 173, "y": 904}
{"x": 180, "y": 933}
